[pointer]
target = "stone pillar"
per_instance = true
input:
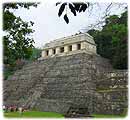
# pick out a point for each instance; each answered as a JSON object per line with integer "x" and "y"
{"x": 57, "y": 50}
{"x": 50, "y": 52}
{"x": 66, "y": 49}
{"x": 74, "y": 47}
{"x": 83, "y": 45}
{"x": 43, "y": 53}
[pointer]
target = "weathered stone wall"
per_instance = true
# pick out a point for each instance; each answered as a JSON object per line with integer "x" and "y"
{"x": 112, "y": 86}
{"x": 59, "y": 83}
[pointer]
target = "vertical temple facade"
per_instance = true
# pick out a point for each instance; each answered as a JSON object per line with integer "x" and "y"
{"x": 70, "y": 45}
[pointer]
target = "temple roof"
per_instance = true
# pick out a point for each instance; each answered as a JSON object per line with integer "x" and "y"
{"x": 69, "y": 40}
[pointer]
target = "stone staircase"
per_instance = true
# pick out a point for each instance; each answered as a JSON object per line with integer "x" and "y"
{"x": 38, "y": 89}
{"x": 56, "y": 84}
{"x": 77, "y": 112}
{"x": 24, "y": 83}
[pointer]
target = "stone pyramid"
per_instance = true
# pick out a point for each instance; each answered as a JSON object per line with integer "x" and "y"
{"x": 56, "y": 84}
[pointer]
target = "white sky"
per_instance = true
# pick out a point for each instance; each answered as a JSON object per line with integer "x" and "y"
{"x": 48, "y": 26}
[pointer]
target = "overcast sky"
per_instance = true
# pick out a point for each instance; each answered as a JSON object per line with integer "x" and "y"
{"x": 48, "y": 26}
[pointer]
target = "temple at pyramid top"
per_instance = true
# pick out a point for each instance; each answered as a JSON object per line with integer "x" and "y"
{"x": 77, "y": 43}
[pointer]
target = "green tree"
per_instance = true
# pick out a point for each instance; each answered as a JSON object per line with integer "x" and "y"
{"x": 112, "y": 40}
{"x": 17, "y": 41}
{"x": 36, "y": 53}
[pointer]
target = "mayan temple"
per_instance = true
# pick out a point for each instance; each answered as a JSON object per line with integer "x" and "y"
{"x": 69, "y": 78}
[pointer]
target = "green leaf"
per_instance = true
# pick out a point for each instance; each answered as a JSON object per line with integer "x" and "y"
{"x": 66, "y": 18}
{"x": 62, "y": 7}
{"x": 72, "y": 9}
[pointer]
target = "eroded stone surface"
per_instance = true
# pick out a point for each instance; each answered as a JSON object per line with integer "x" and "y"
{"x": 60, "y": 83}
